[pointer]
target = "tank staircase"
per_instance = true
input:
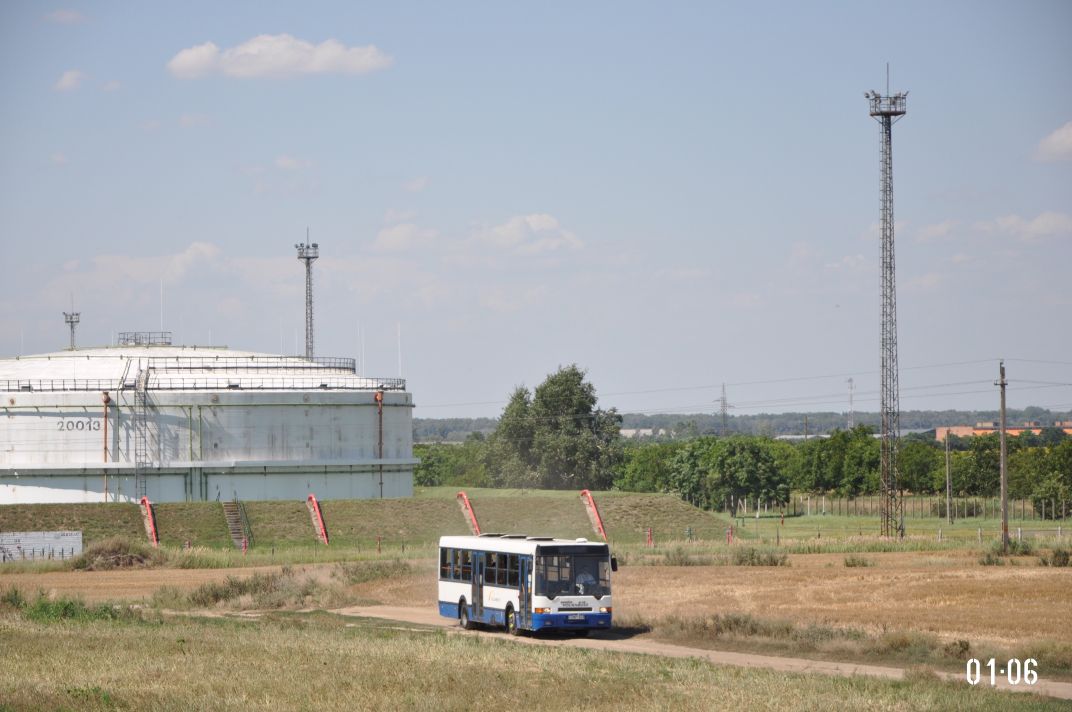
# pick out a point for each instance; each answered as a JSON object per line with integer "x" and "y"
{"x": 148, "y": 518}
{"x": 469, "y": 513}
{"x": 317, "y": 516}
{"x": 238, "y": 524}
{"x": 593, "y": 514}
{"x": 142, "y": 463}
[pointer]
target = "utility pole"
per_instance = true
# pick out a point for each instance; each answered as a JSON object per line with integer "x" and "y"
{"x": 852, "y": 414}
{"x": 307, "y": 253}
{"x": 888, "y": 109}
{"x": 72, "y": 318}
{"x": 1004, "y": 467}
{"x": 948, "y": 481}
{"x": 724, "y": 406}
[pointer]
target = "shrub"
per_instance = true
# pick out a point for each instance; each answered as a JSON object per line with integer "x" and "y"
{"x": 1017, "y": 547}
{"x": 991, "y": 559}
{"x": 1057, "y": 557}
{"x": 117, "y": 553}
{"x": 365, "y": 571}
{"x": 858, "y": 561}
{"x": 759, "y": 557}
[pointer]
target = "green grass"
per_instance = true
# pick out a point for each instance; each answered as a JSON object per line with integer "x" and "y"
{"x": 326, "y": 662}
{"x": 95, "y": 521}
{"x": 200, "y": 523}
{"x": 749, "y": 633}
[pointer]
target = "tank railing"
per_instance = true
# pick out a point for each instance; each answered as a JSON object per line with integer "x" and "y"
{"x": 245, "y": 363}
{"x": 159, "y": 382}
{"x": 196, "y": 383}
{"x": 58, "y": 384}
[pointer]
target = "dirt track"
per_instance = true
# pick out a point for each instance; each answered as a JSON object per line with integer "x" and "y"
{"x": 610, "y": 641}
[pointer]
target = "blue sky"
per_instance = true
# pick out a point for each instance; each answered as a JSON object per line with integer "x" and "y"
{"x": 670, "y": 195}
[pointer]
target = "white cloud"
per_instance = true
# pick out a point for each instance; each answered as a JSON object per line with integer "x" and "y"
{"x": 404, "y": 236}
{"x": 290, "y": 163}
{"x": 58, "y": 158}
{"x": 69, "y": 80}
{"x": 961, "y": 258}
{"x": 416, "y": 185}
{"x": 1048, "y": 224}
{"x": 925, "y": 282}
{"x": 530, "y": 235}
{"x": 394, "y": 215}
{"x": 504, "y": 300}
{"x": 65, "y": 17}
{"x": 273, "y": 56}
{"x": 746, "y": 299}
{"x": 112, "y": 85}
{"x": 150, "y": 125}
{"x": 1057, "y": 146}
{"x": 935, "y": 231}
{"x": 682, "y": 274}
{"x": 848, "y": 263}
{"x": 189, "y": 121}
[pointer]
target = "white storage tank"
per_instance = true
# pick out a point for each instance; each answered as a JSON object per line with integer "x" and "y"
{"x": 198, "y": 423}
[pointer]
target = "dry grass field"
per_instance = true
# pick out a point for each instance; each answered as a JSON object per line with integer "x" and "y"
{"x": 326, "y": 662}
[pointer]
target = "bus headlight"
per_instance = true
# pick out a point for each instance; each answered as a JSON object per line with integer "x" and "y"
{"x": 605, "y": 609}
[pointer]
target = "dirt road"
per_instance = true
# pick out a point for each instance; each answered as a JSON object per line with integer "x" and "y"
{"x": 621, "y": 644}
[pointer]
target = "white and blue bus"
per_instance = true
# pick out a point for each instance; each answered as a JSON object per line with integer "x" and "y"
{"x": 525, "y": 582}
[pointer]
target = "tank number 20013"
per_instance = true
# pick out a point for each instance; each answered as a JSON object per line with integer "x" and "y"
{"x": 1014, "y": 672}
{"x": 79, "y": 424}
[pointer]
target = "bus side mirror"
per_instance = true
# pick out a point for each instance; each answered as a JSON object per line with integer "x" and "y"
{"x": 613, "y": 563}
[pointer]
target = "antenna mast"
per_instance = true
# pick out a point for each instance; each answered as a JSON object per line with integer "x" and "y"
{"x": 887, "y": 110}
{"x": 72, "y": 318}
{"x": 307, "y": 253}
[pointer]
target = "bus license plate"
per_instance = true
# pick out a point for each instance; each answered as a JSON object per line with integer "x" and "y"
{"x": 576, "y": 617}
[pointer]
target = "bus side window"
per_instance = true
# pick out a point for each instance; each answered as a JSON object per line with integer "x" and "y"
{"x": 512, "y": 570}
{"x": 444, "y": 563}
{"x": 501, "y": 565}
{"x": 467, "y": 566}
{"x": 490, "y": 568}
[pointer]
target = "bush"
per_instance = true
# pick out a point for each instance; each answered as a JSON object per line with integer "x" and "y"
{"x": 759, "y": 557}
{"x": 1017, "y": 547}
{"x": 365, "y": 571}
{"x": 1057, "y": 557}
{"x": 991, "y": 559}
{"x": 857, "y": 561}
{"x": 117, "y": 553}
{"x": 43, "y": 609}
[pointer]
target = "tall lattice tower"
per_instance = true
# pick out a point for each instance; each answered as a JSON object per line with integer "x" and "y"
{"x": 72, "y": 318}
{"x": 307, "y": 253}
{"x": 887, "y": 110}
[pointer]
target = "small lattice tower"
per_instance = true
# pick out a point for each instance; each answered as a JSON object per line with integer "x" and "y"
{"x": 72, "y": 318}
{"x": 307, "y": 253}
{"x": 887, "y": 110}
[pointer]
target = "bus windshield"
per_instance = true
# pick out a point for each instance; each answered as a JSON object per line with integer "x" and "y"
{"x": 572, "y": 575}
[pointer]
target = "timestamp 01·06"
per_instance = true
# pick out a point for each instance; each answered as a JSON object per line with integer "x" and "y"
{"x": 1014, "y": 671}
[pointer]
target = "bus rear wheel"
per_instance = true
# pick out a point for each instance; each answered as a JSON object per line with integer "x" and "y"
{"x": 511, "y": 622}
{"x": 463, "y": 616}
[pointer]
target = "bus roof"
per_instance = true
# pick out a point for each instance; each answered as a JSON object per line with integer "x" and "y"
{"x": 511, "y": 543}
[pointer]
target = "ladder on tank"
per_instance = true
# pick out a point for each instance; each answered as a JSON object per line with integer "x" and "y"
{"x": 142, "y": 463}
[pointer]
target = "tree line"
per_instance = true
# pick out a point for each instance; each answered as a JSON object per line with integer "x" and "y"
{"x": 556, "y": 437}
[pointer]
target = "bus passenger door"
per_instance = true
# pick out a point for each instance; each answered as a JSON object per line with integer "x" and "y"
{"x": 524, "y": 596}
{"x": 478, "y": 586}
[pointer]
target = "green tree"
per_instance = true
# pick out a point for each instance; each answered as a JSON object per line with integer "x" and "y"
{"x": 745, "y": 467}
{"x": 917, "y": 461}
{"x": 557, "y": 438}
{"x": 647, "y": 467}
{"x": 689, "y": 468}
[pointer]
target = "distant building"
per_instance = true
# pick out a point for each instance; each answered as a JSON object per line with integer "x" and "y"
{"x": 987, "y": 428}
{"x": 638, "y": 433}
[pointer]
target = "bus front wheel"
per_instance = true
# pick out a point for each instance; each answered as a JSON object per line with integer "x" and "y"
{"x": 463, "y": 616}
